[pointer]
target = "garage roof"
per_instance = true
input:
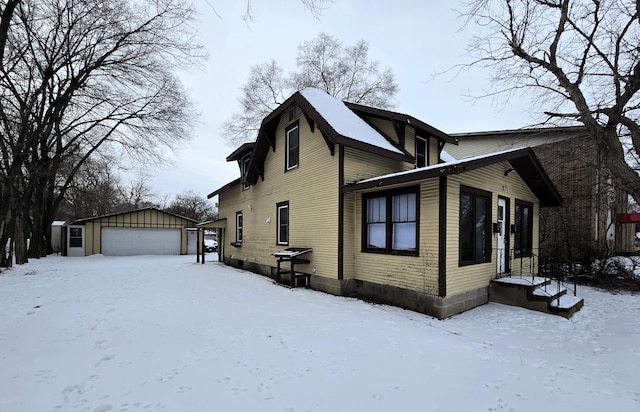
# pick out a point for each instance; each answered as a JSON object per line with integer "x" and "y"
{"x": 89, "y": 219}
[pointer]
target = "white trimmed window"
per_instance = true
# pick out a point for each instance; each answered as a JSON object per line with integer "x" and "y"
{"x": 293, "y": 147}
{"x": 239, "y": 227}
{"x": 282, "y": 210}
{"x": 244, "y": 166}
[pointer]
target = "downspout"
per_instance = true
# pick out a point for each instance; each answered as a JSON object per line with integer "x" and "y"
{"x": 340, "y": 212}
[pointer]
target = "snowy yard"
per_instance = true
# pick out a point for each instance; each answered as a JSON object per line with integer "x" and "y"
{"x": 167, "y": 334}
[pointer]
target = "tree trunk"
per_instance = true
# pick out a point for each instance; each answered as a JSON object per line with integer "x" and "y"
{"x": 20, "y": 239}
{"x": 37, "y": 247}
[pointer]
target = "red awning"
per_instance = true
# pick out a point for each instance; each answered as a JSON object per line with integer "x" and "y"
{"x": 629, "y": 218}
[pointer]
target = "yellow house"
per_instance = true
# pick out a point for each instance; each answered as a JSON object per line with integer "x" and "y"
{"x": 366, "y": 203}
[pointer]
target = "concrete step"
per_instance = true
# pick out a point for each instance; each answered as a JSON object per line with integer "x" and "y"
{"x": 535, "y": 293}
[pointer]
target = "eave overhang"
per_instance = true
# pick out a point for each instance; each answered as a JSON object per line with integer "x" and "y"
{"x": 400, "y": 119}
{"x": 225, "y": 187}
{"x": 266, "y": 139}
{"x": 89, "y": 219}
{"x": 241, "y": 152}
{"x": 523, "y": 161}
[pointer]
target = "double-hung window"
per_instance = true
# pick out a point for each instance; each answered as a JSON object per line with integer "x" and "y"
{"x": 523, "y": 238}
{"x": 282, "y": 212}
{"x": 239, "y": 226}
{"x": 475, "y": 226}
{"x": 421, "y": 151}
{"x": 292, "y": 154}
{"x": 390, "y": 221}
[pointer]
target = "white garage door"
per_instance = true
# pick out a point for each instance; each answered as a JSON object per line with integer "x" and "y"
{"x": 124, "y": 241}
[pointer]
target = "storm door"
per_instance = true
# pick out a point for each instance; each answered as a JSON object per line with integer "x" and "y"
{"x": 502, "y": 246}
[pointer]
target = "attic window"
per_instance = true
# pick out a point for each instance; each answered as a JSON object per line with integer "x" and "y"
{"x": 421, "y": 151}
{"x": 244, "y": 169}
{"x": 291, "y": 115}
{"x": 293, "y": 147}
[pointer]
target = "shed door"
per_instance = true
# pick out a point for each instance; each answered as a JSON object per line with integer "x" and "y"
{"x": 123, "y": 241}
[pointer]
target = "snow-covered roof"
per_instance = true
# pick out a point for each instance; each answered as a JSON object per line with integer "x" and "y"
{"x": 453, "y": 162}
{"x": 522, "y": 160}
{"x": 343, "y": 120}
{"x": 446, "y": 157}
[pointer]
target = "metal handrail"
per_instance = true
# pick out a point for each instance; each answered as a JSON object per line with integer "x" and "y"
{"x": 557, "y": 270}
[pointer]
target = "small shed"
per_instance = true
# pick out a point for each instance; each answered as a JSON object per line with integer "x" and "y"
{"x": 56, "y": 235}
{"x": 147, "y": 231}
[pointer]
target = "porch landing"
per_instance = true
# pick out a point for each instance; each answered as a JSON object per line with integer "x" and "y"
{"x": 535, "y": 293}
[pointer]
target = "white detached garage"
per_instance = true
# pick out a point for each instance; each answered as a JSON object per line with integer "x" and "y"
{"x": 148, "y": 231}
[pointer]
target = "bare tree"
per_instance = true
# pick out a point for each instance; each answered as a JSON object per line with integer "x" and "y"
{"x": 577, "y": 59}
{"x": 325, "y": 63}
{"x": 93, "y": 191}
{"x": 315, "y": 7}
{"x": 191, "y": 205}
{"x": 77, "y": 77}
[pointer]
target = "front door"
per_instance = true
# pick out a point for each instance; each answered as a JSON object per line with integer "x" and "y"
{"x": 502, "y": 254}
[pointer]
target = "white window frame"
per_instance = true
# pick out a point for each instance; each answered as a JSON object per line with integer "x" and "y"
{"x": 280, "y": 207}
{"x": 288, "y": 163}
{"x": 244, "y": 166}
{"x": 239, "y": 227}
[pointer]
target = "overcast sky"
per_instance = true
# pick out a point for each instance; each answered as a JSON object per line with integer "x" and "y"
{"x": 415, "y": 38}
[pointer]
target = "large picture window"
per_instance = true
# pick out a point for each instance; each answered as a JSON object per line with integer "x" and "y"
{"x": 293, "y": 147}
{"x": 282, "y": 210}
{"x": 475, "y": 226}
{"x": 523, "y": 238}
{"x": 390, "y": 222}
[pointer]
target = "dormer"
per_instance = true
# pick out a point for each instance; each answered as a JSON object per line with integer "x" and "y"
{"x": 423, "y": 141}
{"x": 243, "y": 156}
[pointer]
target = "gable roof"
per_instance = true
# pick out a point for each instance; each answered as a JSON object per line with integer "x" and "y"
{"x": 403, "y": 119}
{"x": 241, "y": 152}
{"x": 344, "y": 122}
{"x": 305, "y": 100}
{"x": 338, "y": 123}
{"x": 523, "y": 161}
{"x": 89, "y": 219}
{"x": 225, "y": 187}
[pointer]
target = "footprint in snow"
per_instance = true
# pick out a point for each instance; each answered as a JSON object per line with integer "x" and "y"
{"x": 104, "y": 359}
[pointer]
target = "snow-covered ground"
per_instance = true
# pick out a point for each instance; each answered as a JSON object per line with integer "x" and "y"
{"x": 167, "y": 334}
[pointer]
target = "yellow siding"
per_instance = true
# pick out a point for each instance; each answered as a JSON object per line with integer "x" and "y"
{"x": 360, "y": 165}
{"x": 434, "y": 153}
{"x": 419, "y": 273}
{"x": 464, "y": 278}
{"x": 385, "y": 126}
{"x": 312, "y": 190}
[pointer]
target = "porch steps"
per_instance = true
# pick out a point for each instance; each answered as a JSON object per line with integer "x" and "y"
{"x": 535, "y": 293}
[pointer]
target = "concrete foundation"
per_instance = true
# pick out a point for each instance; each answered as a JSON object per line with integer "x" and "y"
{"x": 437, "y": 306}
